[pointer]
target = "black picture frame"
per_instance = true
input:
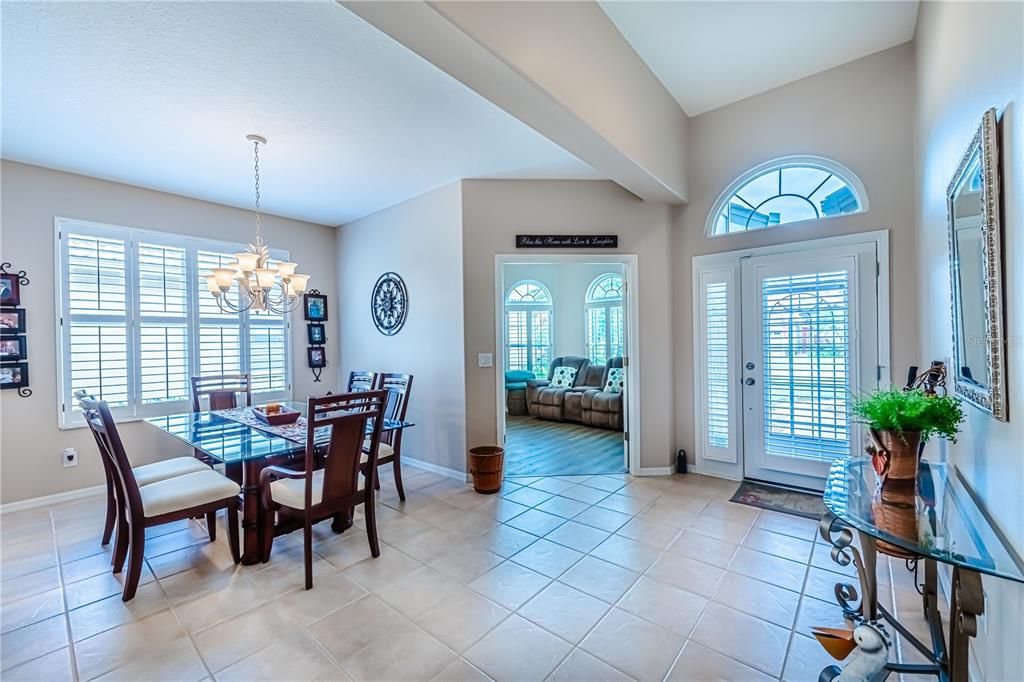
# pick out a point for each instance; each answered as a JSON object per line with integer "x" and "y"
{"x": 316, "y": 334}
{"x": 9, "y": 317}
{"x": 13, "y": 348}
{"x": 317, "y": 356}
{"x": 13, "y": 375}
{"x": 10, "y": 290}
{"x": 314, "y": 307}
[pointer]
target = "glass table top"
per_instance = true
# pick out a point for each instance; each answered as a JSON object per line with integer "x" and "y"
{"x": 230, "y": 441}
{"x": 940, "y": 520}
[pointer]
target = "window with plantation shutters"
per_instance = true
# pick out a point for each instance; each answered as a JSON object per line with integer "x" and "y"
{"x": 163, "y": 323}
{"x": 605, "y": 328}
{"x": 96, "y": 316}
{"x": 528, "y": 335}
{"x": 136, "y": 322}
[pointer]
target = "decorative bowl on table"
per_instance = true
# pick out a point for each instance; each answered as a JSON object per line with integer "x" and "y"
{"x": 276, "y": 414}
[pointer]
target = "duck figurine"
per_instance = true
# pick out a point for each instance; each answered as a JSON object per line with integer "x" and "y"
{"x": 870, "y": 656}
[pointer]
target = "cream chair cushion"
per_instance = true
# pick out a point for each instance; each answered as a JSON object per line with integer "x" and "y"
{"x": 184, "y": 492}
{"x": 383, "y": 450}
{"x": 168, "y": 468}
{"x": 291, "y": 492}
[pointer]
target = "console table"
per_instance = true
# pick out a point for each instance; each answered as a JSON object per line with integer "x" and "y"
{"x": 939, "y": 521}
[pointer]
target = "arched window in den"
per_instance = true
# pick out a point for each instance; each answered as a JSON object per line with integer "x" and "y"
{"x": 788, "y": 190}
{"x": 605, "y": 329}
{"x": 528, "y": 337}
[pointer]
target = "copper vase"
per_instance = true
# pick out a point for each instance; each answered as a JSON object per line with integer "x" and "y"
{"x": 898, "y": 453}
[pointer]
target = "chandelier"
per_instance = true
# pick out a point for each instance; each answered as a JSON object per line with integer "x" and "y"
{"x": 256, "y": 276}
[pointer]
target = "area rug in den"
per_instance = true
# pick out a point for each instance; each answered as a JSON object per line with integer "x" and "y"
{"x": 808, "y": 505}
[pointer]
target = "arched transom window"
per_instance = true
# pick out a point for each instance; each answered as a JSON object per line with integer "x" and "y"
{"x": 788, "y": 190}
{"x": 528, "y": 320}
{"x": 605, "y": 324}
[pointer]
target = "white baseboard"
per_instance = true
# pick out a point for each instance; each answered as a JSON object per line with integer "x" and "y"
{"x": 47, "y": 500}
{"x": 435, "y": 468}
{"x": 656, "y": 471}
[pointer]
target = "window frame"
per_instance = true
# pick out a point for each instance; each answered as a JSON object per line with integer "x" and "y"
{"x": 529, "y": 308}
{"x": 591, "y": 303}
{"x": 828, "y": 165}
{"x": 135, "y": 410}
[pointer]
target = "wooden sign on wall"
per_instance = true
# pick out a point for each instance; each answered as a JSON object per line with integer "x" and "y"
{"x": 567, "y": 241}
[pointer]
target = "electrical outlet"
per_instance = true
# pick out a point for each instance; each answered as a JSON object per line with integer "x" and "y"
{"x": 69, "y": 457}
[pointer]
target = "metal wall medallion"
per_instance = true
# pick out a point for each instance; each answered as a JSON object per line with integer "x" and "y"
{"x": 389, "y": 304}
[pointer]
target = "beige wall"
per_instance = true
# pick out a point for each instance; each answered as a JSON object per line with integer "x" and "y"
{"x": 860, "y": 115}
{"x": 421, "y": 240}
{"x": 31, "y": 442}
{"x": 969, "y": 58}
{"x": 494, "y": 211}
{"x": 600, "y": 79}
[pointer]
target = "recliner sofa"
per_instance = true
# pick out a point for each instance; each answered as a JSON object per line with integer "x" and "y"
{"x": 546, "y": 401}
{"x": 585, "y": 402}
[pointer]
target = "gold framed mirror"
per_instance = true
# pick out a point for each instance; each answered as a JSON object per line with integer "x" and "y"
{"x": 976, "y": 273}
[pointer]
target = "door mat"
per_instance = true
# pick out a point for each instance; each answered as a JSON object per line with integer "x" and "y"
{"x": 784, "y": 500}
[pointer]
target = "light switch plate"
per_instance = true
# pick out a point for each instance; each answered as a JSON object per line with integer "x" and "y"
{"x": 485, "y": 359}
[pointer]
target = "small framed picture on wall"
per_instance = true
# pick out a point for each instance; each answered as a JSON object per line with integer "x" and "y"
{"x": 10, "y": 290}
{"x": 315, "y": 306}
{"x": 13, "y": 348}
{"x": 12, "y": 322}
{"x": 317, "y": 357}
{"x": 14, "y": 376}
{"x": 317, "y": 334}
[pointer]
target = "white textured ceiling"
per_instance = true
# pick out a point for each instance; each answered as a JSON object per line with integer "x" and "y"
{"x": 161, "y": 95}
{"x": 709, "y": 54}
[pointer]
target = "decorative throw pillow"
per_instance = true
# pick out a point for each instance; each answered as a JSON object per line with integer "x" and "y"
{"x": 616, "y": 380}
{"x": 563, "y": 377}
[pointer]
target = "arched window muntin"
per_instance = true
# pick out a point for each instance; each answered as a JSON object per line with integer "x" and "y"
{"x": 605, "y": 332}
{"x": 720, "y": 221}
{"x": 529, "y": 327}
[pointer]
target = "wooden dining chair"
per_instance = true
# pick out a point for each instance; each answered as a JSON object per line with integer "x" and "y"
{"x": 144, "y": 475}
{"x": 398, "y": 388}
{"x": 301, "y": 498}
{"x": 362, "y": 381}
{"x": 221, "y": 391}
{"x": 144, "y": 506}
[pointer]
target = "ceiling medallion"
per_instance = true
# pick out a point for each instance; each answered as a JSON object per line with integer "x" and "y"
{"x": 389, "y": 304}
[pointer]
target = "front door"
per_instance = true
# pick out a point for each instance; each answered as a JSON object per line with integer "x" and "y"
{"x": 809, "y": 342}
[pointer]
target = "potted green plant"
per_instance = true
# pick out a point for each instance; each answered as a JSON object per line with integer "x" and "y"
{"x": 899, "y": 421}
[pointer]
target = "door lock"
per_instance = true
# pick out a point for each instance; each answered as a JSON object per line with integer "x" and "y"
{"x": 749, "y": 381}
{"x": 750, "y": 365}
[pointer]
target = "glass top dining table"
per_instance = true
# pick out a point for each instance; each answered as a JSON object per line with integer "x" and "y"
{"x": 230, "y": 441}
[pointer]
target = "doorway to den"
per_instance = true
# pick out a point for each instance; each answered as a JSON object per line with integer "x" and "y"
{"x": 563, "y": 401}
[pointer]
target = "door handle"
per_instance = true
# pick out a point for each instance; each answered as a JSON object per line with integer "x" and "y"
{"x": 749, "y": 381}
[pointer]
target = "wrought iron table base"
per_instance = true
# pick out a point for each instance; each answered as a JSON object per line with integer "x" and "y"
{"x": 947, "y": 663}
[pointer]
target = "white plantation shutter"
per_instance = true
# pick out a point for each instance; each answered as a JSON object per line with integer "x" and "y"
{"x": 163, "y": 323}
{"x": 717, "y": 384}
{"x": 220, "y": 334}
{"x": 268, "y": 365}
{"x": 268, "y": 346}
{"x": 136, "y": 321}
{"x": 96, "y": 316}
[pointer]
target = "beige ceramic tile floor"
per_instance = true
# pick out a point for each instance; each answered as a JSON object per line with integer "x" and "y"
{"x": 568, "y": 578}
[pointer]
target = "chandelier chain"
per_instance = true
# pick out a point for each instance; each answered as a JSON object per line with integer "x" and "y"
{"x": 256, "y": 173}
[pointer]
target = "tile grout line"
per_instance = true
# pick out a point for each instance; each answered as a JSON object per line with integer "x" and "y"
{"x": 64, "y": 598}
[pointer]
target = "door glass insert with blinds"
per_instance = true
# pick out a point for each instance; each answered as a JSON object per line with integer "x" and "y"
{"x": 810, "y": 341}
{"x": 135, "y": 322}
